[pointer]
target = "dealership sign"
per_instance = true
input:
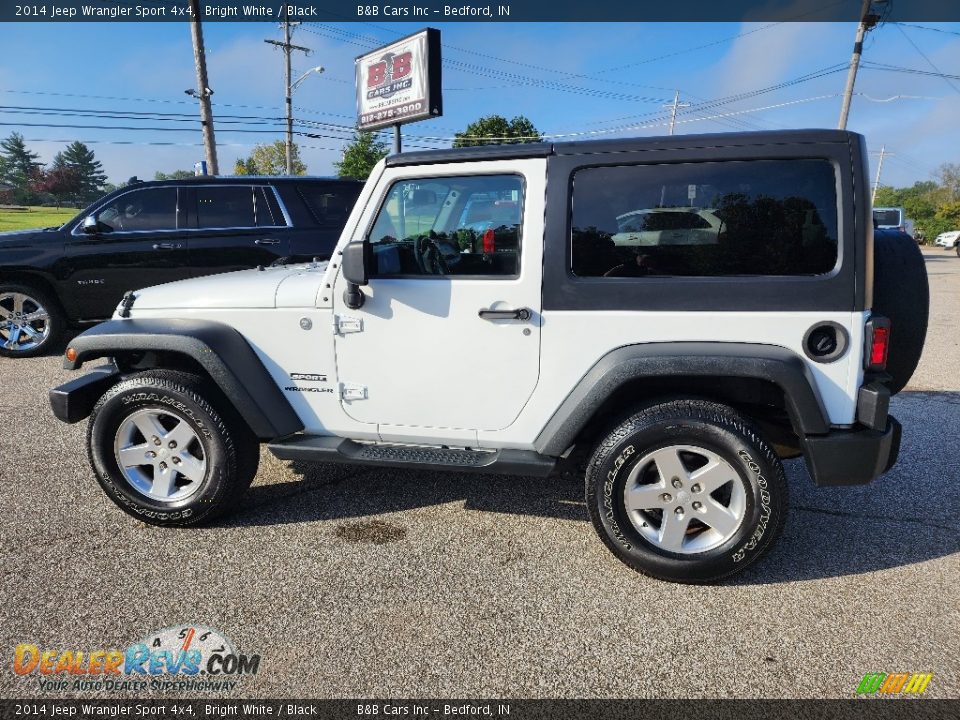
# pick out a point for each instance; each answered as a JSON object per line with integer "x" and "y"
{"x": 400, "y": 82}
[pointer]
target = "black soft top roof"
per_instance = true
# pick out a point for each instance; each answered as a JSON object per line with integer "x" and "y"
{"x": 584, "y": 147}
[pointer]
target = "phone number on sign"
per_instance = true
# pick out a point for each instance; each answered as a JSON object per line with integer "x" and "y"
{"x": 394, "y": 113}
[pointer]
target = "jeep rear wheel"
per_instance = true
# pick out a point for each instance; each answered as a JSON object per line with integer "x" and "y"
{"x": 686, "y": 491}
{"x": 164, "y": 454}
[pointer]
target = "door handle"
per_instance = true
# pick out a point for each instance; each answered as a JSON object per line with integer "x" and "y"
{"x": 167, "y": 246}
{"x": 266, "y": 241}
{"x": 519, "y": 314}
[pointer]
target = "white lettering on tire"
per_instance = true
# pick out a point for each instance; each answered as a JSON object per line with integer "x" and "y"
{"x": 764, "y": 508}
{"x": 608, "y": 496}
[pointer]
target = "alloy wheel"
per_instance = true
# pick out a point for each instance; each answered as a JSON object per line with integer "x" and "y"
{"x": 24, "y": 322}
{"x": 160, "y": 455}
{"x": 685, "y": 499}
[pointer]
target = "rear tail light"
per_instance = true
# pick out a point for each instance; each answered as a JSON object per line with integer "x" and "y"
{"x": 877, "y": 343}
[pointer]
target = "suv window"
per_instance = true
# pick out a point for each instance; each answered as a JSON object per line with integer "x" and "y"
{"x": 234, "y": 206}
{"x": 330, "y": 207}
{"x": 461, "y": 226}
{"x": 763, "y": 217}
{"x": 147, "y": 209}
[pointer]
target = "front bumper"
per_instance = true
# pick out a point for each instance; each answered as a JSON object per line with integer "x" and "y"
{"x": 73, "y": 401}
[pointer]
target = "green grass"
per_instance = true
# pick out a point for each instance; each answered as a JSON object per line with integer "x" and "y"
{"x": 34, "y": 217}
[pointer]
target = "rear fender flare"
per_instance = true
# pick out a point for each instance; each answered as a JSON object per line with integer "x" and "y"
{"x": 772, "y": 363}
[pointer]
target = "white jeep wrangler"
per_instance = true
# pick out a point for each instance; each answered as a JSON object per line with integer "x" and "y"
{"x": 670, "y": 316}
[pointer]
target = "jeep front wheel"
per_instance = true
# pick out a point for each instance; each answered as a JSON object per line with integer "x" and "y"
{"x": 686, "y": 491}
{"x": 164, "y": 454}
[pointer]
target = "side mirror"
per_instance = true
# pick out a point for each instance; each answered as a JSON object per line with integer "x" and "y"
{"x": 356, "y": 262}
{"x": 90, "y": 225}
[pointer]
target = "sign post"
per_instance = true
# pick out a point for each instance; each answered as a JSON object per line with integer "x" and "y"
{"x": 400, "y": 83}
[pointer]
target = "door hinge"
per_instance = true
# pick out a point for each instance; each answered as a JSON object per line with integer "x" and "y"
{"x": 343, "y": 324}
{"x": 352, "y": 391}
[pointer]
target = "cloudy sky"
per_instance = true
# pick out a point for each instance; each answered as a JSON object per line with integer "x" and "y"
{"x": 571, "y": 80}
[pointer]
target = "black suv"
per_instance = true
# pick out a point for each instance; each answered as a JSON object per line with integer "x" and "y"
{"x": 149, "y": 233}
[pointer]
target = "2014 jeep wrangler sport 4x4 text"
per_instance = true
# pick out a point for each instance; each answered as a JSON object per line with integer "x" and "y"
{"x": 670, "y": 316}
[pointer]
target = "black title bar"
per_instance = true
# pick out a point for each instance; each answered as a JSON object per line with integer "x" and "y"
{"x": 864, "y": 709}
{"x": 433, "y": 11}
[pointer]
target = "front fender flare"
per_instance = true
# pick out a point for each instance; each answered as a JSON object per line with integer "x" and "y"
{"x": 218, "y": 348}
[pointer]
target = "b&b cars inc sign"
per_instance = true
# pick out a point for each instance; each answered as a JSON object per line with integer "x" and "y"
{"x": 400, "y": 82}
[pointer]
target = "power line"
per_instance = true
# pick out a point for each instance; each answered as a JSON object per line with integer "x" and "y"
{"x": 929, "y": 61}
{"x": 726, "y": 100}
{"x": 925, "y": 27}
{"x": 911, "y": 71}
{"x": 516, "y": 78}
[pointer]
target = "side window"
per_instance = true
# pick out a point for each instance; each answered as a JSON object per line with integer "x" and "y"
{"x": 227, "y": 206}
{"x": 457, "y": 226}
{"x": 763, "y": 217}
{"x": 147, "y": 209}
{"x": 263, "y": 210}
{"x": 330, "y": 206}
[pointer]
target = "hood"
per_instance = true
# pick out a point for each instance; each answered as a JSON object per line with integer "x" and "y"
{"x": 241, "y": 289}
{"x": 19, "y": 238}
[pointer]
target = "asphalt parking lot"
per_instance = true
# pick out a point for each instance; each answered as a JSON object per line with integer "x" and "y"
{"x": 353, "y": 582}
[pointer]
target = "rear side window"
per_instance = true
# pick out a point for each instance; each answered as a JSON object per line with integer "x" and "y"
{"x": 329, "y": 205}
{"x": 762, "y": 217}
{"x": 226, "y": 207}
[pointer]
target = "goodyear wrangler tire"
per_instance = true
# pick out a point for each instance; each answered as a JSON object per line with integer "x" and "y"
{"x": 686, "y": 491}
{"x": 164, "y": 454}
{"x": 901, "y": 292}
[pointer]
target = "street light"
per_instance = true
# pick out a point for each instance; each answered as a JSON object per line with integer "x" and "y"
{"x": 296, "y": 83}
{"x": 290, "y": 88}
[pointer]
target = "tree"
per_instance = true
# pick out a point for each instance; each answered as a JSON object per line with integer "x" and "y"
{"x": 17, "y": 166}
{"x": 949, "y": 176}
{"x": 245, "y": 166}
{"x": 88, "y": 169}
{"x": 364, "y": 151}
{"x": 61, "y": 181}
{"x": 270, "y": 160}
{"x": 933, "y": 206}
{"x": 497, "y": 130}
{"x": 175, "y": 175}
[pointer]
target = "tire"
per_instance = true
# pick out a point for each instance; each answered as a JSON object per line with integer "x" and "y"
{"x": 901, "y": 292}
{"x": 697, "y": 434}
{"x": 204, "y": 458}
{"x": 42, "y": 324}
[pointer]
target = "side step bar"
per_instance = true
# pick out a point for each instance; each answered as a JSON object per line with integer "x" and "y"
{"x": 314, "y": 448}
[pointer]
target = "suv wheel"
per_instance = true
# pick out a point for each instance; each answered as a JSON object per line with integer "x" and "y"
{"x": 30, "y": 321}
{"x": 164, "y": 453}
{"x": 686, "y": 491}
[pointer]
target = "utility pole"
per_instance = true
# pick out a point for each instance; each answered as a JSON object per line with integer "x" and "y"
{"x": 867, "y": 21}
{"x": 203, "y": 90}
{"x": 288, "y": 48}
{"x": 673, "y": 109}
{"x": 876, "y": 185}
